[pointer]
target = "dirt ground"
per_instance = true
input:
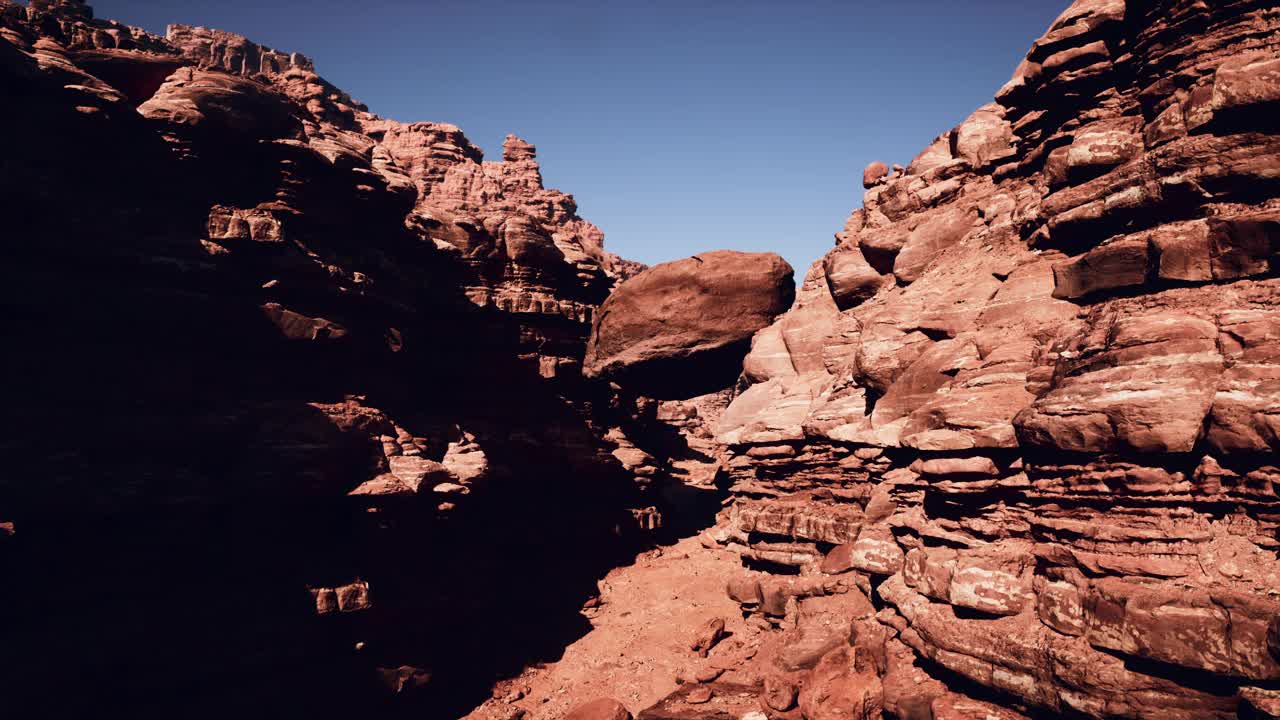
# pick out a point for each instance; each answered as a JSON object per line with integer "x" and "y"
{"x": 641, "y": 637}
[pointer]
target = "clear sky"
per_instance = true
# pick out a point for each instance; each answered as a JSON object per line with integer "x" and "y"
{"x": 679, "y": 126}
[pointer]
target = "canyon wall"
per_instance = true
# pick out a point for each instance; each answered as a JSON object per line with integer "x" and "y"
{"x": 296, "y": 420}
{"x": 305, "y": 417}
{"x": 1028, "y": 403}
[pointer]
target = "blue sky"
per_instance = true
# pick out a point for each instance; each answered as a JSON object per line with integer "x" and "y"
{"x": 679, "y": 126}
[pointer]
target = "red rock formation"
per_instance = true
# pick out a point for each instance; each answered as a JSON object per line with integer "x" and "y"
{"x": 1030, "y": 397}
{"x": 300, "y": 428}
{"x": 293, "y": 427}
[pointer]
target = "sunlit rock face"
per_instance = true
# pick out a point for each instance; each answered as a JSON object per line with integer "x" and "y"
{"x": 1038, "y": 382}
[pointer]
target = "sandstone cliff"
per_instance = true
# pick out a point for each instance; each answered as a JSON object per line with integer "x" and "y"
{"x": 1028, "y": 403}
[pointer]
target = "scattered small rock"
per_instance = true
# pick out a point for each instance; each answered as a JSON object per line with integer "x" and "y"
{"x": 515, "y": 694}
{"x": 779, "y": 693}
{"x": 699, "y": 695}
{"x": 707, "y": 636}
{"x": 708, "y": 674}
{"x": 508, "y": 712}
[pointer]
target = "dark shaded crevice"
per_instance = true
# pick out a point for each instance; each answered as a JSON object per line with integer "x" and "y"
{"x": 1198, "y": 680}
{"x": 678, "y": 377}
{"x": 686, "y": 510}
{"x": 934, "y": 334}
{"x": 873, "y": 396}
{"x": 135, "y": 75}
{"x": 880, "y": 260}
{"x": 1154, "y": 284}
{"x": 770, "y": 567}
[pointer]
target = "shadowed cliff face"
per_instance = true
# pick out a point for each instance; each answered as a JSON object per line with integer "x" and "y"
{"x": 1029, "y": 400}
{"x": 294, "y": 415}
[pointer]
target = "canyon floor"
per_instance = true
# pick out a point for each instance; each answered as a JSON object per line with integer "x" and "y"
{"x": 638, "y": 649}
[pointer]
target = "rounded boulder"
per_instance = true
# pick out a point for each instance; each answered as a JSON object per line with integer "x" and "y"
{"x": 874, "y": 174}
{"x": 682, "y": 329}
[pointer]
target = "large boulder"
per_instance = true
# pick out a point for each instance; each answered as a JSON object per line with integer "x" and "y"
{"x": 682, "y": 328}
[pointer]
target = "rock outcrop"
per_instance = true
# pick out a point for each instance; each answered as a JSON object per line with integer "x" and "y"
{"x": 681, "y": 329}
{"x": 1030, "y": 398}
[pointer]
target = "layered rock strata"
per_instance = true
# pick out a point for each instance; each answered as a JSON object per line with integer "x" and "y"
{"x": 1030, "y": 397}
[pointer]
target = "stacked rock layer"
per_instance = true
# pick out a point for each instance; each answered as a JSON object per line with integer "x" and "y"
{"x": 1031, "y": 397}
